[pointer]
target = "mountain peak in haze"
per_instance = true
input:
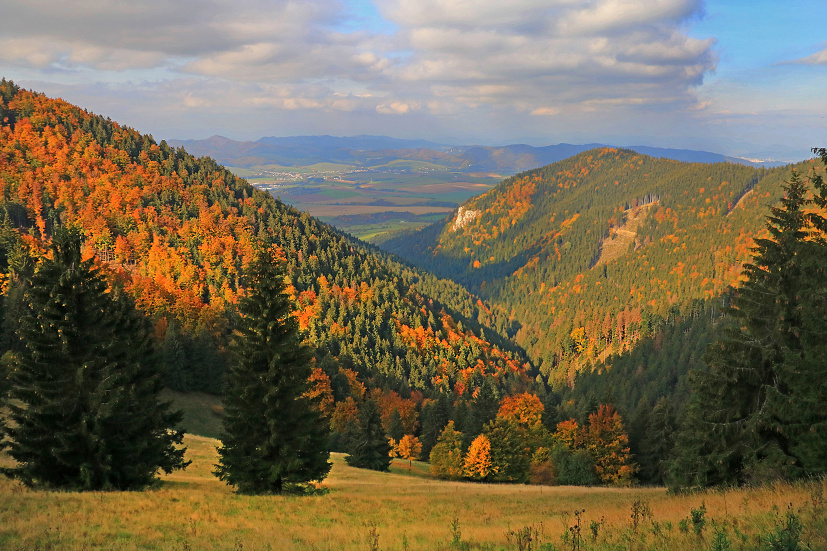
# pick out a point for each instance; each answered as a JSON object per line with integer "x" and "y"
{"x": 365, "y": 151}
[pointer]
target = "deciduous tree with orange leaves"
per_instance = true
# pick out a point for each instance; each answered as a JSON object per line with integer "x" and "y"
{"x": 478, "y": 459}
{"x": 568, "y": 432}
{"x": 607, "y": 442}
{"x": 525, "y": 409}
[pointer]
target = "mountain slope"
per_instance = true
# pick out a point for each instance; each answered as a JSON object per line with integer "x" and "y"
{"x": 533, "y": 246}
{"x": 178, "y": 232}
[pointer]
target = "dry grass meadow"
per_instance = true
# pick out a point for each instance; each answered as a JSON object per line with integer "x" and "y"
{"x": 401, "y": 510}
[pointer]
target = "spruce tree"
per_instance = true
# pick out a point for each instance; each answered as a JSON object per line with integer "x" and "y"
{"x": 369, "y": 447}
{"x": 446, "y": 456}
{"x": 275, "y": 437}
{"x": 396, "y": 429}
{"x": 757, "y": 411}
{"x": 435, "y": 415}
{"x": 84, "y": 392}
{"x": 807, "y": 418}
{"x": 658, "y": 442}
{"x": 483, "y": 409}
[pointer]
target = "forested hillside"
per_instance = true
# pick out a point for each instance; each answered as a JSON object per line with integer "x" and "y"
{"x": 585, "y": 258}
{"x": 177, "y": 232}
{"x": 604, "y": 275}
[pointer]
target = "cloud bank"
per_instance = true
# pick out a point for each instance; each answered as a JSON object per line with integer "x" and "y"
{"x": 440, "y": 69}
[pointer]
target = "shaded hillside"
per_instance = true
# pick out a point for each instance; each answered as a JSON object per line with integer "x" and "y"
{"x": 178, "y": 232}
{"x": 533, "y": 245}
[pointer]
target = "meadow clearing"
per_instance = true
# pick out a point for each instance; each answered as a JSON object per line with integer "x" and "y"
{"x": 401, "y": 510}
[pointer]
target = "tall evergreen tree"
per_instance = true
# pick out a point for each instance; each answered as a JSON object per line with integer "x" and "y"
{"x": 369, "y": 447}
{"x": 483, "y": 409}
{"x": 446, "y": 456}
{"x": 658, "y": 442}
{"x": 435, "y": 415}
{"x": 755, "y": 407}
{"x": 274, "y": 436}
{"x": 87, "y": 415}
{"x": 396, "y": 429}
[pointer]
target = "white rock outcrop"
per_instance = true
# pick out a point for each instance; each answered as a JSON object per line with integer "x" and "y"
{"x": 464, "y": 216}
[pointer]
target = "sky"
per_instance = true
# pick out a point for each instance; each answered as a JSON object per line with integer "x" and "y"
{"x": 739, "y": 77}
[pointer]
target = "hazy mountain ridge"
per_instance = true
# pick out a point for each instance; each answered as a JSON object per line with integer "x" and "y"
{"x": 372, "y": 151}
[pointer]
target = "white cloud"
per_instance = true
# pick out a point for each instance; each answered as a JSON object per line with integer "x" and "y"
{"x": 613, "y": 16}
{"x": 818, "y": 58}
{"x": 40, "y": 53}
{"x": 395, "y": 108}
{"x": 468, "y": 13}
{"x": 528, "y": 53}
{"x": 545, "y": 111}
{"x": 169, "y": 27}
{"x": 476, "y": 64}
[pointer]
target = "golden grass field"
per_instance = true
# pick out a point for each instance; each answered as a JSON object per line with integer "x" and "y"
{"x": 404, "y": 509}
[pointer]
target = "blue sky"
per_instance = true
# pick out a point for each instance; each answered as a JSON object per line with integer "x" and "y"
{"x": 744, "y": 78}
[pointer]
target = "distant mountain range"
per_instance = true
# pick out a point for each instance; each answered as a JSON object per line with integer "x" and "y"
{"x": 374, "y": 151}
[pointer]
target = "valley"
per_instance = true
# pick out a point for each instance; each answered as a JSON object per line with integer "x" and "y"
{"x": 413, "y": 275}
{"x": 371, "y": 204}
{"x": 550, "y": 330}
{"x": 373, "y": 186}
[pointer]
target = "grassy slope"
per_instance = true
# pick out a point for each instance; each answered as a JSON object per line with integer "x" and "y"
{"x": 193, "y": 510}
{"x": 202, "y": 412}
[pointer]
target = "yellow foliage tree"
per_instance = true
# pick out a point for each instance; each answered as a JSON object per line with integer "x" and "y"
{"x": 446, "y": 455}
{"x": 409, "y": 447}
{"x": 478, "y": 460}
{"x": 568, "y": 432}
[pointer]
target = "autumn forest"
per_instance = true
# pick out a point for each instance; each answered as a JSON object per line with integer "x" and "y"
{"x": 611, "y": 319}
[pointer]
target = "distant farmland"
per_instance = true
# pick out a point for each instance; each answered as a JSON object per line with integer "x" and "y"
{"x": 393, "y": 199}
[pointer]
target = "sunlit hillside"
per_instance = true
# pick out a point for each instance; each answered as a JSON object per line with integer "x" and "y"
{"x": 585, "y": 257}
{"x": 178, "y": 233}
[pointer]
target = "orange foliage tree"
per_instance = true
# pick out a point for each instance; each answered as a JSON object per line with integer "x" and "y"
{"x": 321, "y": 392}
{"x": 568, "y": 432}
{"x": 478, "y": 459}
{"x": 345, "y": 416}
{"x": 525, "y": 409}
{"x": 390, "y": 401}
{"x": 607, "y": 442}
